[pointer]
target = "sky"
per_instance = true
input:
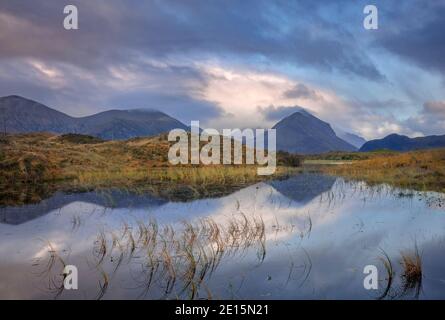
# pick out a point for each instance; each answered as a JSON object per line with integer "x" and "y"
{"x": 233, "y": 64}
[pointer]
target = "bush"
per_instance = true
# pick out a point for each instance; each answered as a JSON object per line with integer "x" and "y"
{"x": 289, "y": 159}
{"x": 79, "y": 138}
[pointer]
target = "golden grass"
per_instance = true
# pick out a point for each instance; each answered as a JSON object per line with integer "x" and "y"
{"x": 420, "y": 170}
{"x": 349, "y": 156}
{"x": 34, "y": 165}
{"x": 412, "y": 271}
{"x": 187, "y": 175}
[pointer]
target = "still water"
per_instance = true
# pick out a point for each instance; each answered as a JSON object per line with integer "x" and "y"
{"x": 307, "y": 237}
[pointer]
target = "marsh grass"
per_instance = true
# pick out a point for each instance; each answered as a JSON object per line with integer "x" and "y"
{"x": 412, "y": 272}
{"x": 41, "y": 164}
{"x": 179, "y": 259}
{"x": 100, "y": 247}
{"x": 410, "y": 277}
{"x": 386, "y": 261}
{"x": 51, "y": 267}
{"x": 103, "y": 283}
{"x": 306, "y": 266}
{"x": 419, "y": 170}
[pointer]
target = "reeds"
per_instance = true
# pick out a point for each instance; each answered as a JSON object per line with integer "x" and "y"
{"x": 412, "y": 272}
{"x": 411, "y": 275}
{"x": 53, "y": 269}
{"x": 389, "y": 274}
{"x": 181, "y": 258}
{"x": 103, "y": 283}
{"x": 100, "y": 247}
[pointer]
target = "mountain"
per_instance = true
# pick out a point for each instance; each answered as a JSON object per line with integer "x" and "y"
{"x": 23, "y": 115}
{"x": 18, "y": 114}
{"x": 303, "y": 133}
{"x": 124, "y": 124}
{"x": 403, "y": 143}
{"x": 350, "y": 138}
{"x": 353, "y": 139}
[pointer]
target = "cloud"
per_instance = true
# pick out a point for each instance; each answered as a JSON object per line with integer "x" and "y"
{"x": 254, "y": 99}
{"x": 229, "y": 65}
{"x": 78, "y": 91}
{"x": 248, "y": 96}
{"x": 422, "y": 41}
{"x": 301, "y": 91}
{"x": 273, "y": 113}
{"x": 430, "y": 120}
{"x": 435, "y": 109}
{"x": 116, "y": 30}
{"x": 182, "y": 107}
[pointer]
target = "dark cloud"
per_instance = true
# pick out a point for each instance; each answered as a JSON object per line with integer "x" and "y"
{"x": 417, "y": 34}
{"x": 386, "y": 107}
{"x": 117, "y": 30}
{"x": 272, "y": 113}
{"x": 302, "y": 91}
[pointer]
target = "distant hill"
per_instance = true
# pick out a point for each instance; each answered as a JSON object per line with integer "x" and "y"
{"x": 124, "y": 124}
{"x": 350, "y": 138}
{"x": 403, "y": 143}
{"x": 303, "y": 133}
{"x": 21, "y": 115}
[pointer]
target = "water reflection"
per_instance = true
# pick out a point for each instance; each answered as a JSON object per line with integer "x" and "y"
{"x": 306, "y": 237}
{"x": 313, "y": 185}
{"x": 108, "y": 199}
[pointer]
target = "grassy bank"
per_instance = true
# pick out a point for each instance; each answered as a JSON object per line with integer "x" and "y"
{"x": 35, "y": 165}
{"x": 420, "y": 170}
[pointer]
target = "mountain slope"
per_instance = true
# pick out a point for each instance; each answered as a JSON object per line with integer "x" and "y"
{"x": 124, "y": 124}
{"x": 350, "y": 138}
{"x": 403, "y": 143}
{"x": 304, "y": 133}
{"x": 353, "y": 139}
{"x": 20, "y": 115}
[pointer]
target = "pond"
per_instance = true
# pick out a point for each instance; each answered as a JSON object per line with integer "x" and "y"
{"x": 307, "y": 237}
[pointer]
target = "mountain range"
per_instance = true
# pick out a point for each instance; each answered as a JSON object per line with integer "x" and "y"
{"x": 300, "y": 132}
{"x": 403, "y": 143}
{"x": 20, "y": 115}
